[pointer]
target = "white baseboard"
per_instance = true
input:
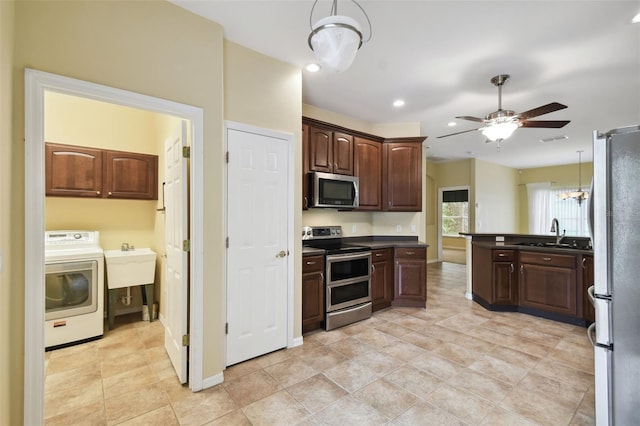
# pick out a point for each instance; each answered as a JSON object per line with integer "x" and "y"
{"x": 468, "y": 295}
{"x": 454, "y": 248}
{"x": 296, "y": 341}
{"x": 211, "y": 381}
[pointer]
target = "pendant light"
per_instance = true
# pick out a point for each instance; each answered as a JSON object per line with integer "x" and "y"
{"x": 335, "y": 39}
{"x": 578, "y": 195}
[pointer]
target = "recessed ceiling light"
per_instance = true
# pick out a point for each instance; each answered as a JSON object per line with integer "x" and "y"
{"x": 313, "y": 67}
{"x": 636, "y": 19}
{"x": 554, "y": 138}
{"x": 451, "y": 123}
{"x": 398, "y": 103}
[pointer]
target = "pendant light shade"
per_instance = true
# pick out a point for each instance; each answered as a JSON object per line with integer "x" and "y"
{"x": 335, "y": 39}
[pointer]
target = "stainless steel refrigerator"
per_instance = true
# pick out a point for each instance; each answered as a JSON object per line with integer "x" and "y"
{"x": 615, "y": 220}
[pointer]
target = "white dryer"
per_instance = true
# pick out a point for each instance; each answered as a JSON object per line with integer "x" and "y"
{"x": 74, "y": 287}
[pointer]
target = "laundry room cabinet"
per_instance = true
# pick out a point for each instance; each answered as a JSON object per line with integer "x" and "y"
{"x": 75, "y": 171}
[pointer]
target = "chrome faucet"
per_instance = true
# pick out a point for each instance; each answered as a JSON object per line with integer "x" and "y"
{"x": 555, "y": 227}
{"x": 124, "y": 247}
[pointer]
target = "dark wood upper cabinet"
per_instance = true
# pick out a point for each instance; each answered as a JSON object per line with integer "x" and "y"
{"x": 131, "y": 175}
{"x": 402, "y": 174}
{"x": 330, "y": 152}
{"x": 367, "y": 165}
{"x": 74, "y": 171}
{"x": 305, "y": 167}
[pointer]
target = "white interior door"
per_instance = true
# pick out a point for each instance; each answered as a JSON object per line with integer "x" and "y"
{"x": 176, "y": 230}
{"x": 258, "y": 254}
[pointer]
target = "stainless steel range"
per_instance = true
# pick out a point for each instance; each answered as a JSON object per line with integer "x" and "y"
{"x": 348, "y": 275}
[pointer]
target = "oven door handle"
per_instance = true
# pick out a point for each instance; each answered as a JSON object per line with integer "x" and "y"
{"x": 348, "y": 256}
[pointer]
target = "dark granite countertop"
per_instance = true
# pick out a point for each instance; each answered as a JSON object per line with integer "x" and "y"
{"x": 373, "y": 242}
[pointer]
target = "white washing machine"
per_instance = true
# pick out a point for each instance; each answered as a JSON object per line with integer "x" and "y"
{"x": 74, "y": 287}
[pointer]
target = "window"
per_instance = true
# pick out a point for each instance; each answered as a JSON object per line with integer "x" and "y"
{"x": 544, "y": 205}
{"x": 455, "y": 212}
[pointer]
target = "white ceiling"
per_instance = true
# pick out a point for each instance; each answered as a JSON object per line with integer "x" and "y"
{"x": 440, "y": 55}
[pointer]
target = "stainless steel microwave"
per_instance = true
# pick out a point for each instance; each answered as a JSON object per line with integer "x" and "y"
{"x": 335, "y": 191}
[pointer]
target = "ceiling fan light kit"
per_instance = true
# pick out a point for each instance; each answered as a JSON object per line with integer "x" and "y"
{"x": 335, "y": 39}
{"x": 500, "y": 124}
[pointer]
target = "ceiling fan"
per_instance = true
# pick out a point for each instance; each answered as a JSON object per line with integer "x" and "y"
{"x": 500, "y": 124}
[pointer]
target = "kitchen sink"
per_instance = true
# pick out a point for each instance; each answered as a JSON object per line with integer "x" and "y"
{"x": 550, "y": 245}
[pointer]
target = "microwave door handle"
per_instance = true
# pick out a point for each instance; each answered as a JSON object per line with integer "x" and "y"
{"x": 357, "y": 197}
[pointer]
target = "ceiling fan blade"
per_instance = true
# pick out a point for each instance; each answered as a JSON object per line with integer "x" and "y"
{"x": 457, "y": 133}
{"x": 549, "y": 124}
{"x": 544, "y": 109}
{"x": 466, "y": 117}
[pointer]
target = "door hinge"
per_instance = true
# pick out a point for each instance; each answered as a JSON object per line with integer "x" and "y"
{"x": 186, "y": 245}
{"x": 186, "y": 151}
{"x": 226, "y": 328}
{"x": 227, "y": 242}
{"x": 185, "y": 340}
{"x": 226, "y": 156}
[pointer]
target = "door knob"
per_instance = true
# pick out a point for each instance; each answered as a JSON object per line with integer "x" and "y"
{"x": 282, "y": 253}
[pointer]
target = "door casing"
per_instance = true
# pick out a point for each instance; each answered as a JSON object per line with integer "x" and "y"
{"x": 36, "y": 84}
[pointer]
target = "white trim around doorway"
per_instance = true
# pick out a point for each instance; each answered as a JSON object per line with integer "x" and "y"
{"x": 36, "y": 84}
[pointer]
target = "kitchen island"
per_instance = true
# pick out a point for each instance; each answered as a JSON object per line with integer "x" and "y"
{"x": 533, "y": 274}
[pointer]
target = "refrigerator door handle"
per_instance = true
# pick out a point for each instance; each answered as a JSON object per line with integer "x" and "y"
{"x": 591, "y": 331}
{"x": 590, "y": 293}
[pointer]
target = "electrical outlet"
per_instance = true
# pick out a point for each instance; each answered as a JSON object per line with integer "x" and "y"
{"x": 413, "y": 229}
{"x": 354, "y": 229}
{"x": 398, "y": 228}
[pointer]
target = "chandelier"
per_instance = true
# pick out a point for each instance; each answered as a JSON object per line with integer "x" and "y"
{"x": 335, "y": 39}
{"x": 578, "y": 195}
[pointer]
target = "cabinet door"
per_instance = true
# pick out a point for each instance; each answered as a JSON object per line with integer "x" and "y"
{"x": 131, "y": 175}
{"x": 343, "y": 154}
{"x": 548, "y": 288}
{"x": 587, "y": 281}
{"x": 402, "y": 190}
{"x": 305, "y": 167}
{"x": 320, "y": 150}
{"x": 381, "y": 279}
{"x": 73, "y": 171}
{"x": 368, "y": 167}
{"x": 504, "y": 283}
{"x": 410, "y": 277}
{"x": 313, "y": 308}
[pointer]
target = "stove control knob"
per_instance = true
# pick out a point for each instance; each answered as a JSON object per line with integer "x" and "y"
{"x": 77, "y": 236}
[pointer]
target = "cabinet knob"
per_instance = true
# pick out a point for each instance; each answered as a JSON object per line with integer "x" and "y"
{"x": 373, "y": 268}
{"x": 584, "y": 260}
{"x": 110, "y": 194}
{"x": 379, "y": 254}
{"x": 512, "y": 269}
{"x": 98, "y": 192}
{"x": 306, "y": 202}
{"x": 546, "y": 259}
{"x": 410, "y": 253}
{"x": 501, "y": 254}
{"x": 311, "y": 263}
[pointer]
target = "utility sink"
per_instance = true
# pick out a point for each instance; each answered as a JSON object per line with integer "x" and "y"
{"x": 128, "y": 268}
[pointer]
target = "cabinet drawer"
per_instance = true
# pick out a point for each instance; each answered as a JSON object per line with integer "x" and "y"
{"x": 312, "y": 263}
{"x": 548, "y": 259}
{"x": 411, "y": 253}
{"x": 380, "y": 255}
{"x": 504, "y": 255}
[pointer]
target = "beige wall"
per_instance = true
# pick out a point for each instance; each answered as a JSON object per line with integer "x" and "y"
{"x": 273, "y": 101}
{"x": 85, "y": 122}
{"x": 496, "y": 201}
{"x": 133, "y": 46}
{"x": 560, "y": 176}
{"x": 11, "y": 321}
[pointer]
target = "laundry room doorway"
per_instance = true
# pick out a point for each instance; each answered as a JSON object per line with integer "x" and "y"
{"x": 38, "y": 86}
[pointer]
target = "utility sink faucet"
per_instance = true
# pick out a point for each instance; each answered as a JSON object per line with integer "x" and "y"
{"x": 555, "y": 227}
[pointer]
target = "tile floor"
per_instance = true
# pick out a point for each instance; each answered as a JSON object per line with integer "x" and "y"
{"x": 451, "y": 364}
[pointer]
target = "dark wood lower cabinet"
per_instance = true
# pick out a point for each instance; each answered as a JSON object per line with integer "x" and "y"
{"x": 410, "y": 277}
{"x": 548, "y": 282}
{"x": 381, "y": 278}
{"x": 505, "y": 278}
{"x": 312, "y": 292}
